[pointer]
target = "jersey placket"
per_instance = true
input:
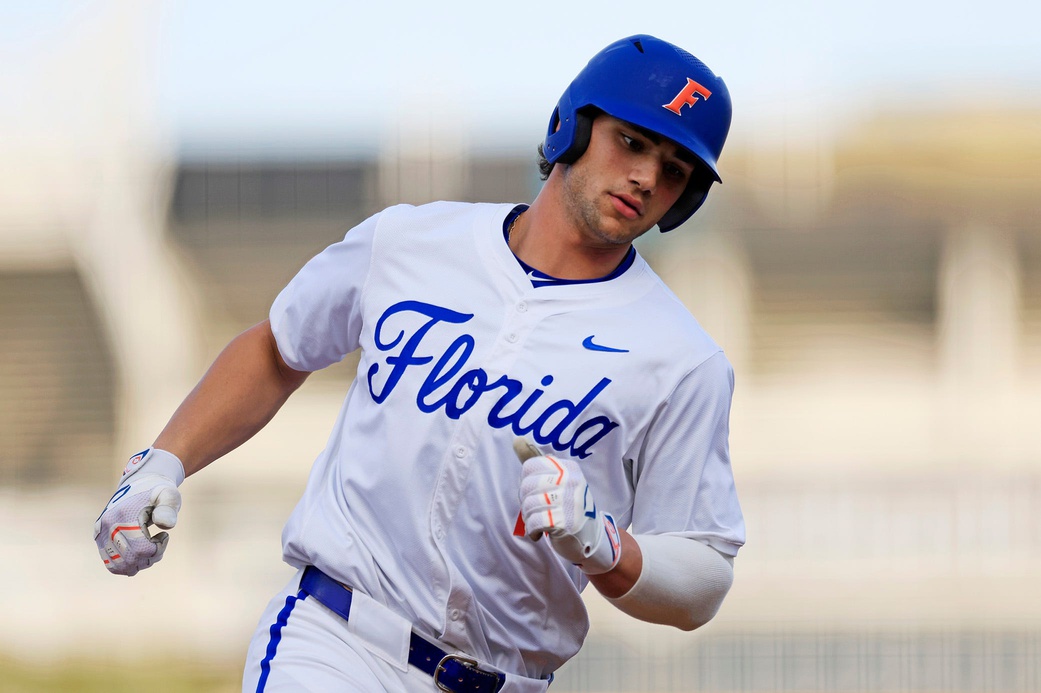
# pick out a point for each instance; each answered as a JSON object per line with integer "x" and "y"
{"x": 518, "y": 323}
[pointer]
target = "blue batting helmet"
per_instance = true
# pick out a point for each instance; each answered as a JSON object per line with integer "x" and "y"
{"x": 658, "y": 86}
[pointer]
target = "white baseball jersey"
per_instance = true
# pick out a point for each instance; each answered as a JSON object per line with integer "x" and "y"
{"x": 415, "y": 498}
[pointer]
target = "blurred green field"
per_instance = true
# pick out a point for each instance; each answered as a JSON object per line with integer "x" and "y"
{"x": 157, "y": 676}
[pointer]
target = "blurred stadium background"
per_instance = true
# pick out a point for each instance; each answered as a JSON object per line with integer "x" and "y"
{"x": 877, "y": 286}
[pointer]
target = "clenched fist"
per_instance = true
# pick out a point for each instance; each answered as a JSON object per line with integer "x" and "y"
{"x": 147, "y": 495}
{"x": 556, "y": 501}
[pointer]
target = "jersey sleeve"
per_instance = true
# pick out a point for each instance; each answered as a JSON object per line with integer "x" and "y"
{"x": 317, "y": 317}
{"x": 683, "y": 481}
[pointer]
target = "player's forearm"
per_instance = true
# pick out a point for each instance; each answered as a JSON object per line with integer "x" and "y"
{"x": 682, "y": 582}
{"x": 621, "y": 579}
{"x": 240, "y": 393}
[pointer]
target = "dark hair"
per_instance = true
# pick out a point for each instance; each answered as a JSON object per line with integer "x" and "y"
{"x": 545, "y": 168}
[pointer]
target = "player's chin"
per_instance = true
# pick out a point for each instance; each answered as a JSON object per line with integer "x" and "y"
{"x": 621, "y": 232}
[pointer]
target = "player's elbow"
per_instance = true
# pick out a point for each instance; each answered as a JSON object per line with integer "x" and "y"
{"x": 683, "y": 583}
{"x": 704, "y": 605}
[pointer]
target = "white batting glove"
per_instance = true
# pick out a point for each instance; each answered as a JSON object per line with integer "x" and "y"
{"x": 557, "y": 501}
{"x": 147, "y": 495}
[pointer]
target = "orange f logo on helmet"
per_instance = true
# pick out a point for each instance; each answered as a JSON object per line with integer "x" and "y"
{"x": 688, "y": 96}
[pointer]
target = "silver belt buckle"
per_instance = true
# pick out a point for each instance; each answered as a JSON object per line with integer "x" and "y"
{"x": 466, "y": 661}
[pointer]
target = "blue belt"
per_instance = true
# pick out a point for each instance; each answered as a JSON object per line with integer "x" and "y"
{"x": 453, "y": 673}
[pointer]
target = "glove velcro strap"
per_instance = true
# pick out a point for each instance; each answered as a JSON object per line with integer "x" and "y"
{"x": 607, "y": 552}
{"x": 157, "y": 462}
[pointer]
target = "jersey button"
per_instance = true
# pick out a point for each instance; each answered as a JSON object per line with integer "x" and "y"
{"x": 511, "y": 337}
{"x": 439, "y": 533}
{"x": 455, "y": 614}
{"x": 522, "y": 307}
{"x": 460, "y": 452}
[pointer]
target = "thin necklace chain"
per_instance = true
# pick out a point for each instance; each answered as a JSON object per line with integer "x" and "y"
{"x": 509, "y": 230}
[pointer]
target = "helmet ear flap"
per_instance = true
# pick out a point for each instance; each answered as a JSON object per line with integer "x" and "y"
{"x": 690, "y": 200}
{"x": 583, "y": 131}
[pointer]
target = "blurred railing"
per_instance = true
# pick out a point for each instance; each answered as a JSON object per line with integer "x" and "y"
{"x": 826, "y": 662}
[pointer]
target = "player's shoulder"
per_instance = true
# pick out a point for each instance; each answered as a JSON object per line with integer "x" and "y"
{"x": 668, "y": 321}
{"x": 440, "y": 211}
{"x": 436, "y": 226}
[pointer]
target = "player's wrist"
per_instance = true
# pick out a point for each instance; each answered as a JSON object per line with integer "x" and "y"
{"x": 606, "y": 549}
{"x": 155, "y": 461}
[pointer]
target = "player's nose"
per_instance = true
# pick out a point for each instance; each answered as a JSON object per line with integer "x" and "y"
{"x": 645, "y": 172}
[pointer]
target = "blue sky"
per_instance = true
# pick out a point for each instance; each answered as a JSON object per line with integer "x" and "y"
{"x": 320, "y": 70}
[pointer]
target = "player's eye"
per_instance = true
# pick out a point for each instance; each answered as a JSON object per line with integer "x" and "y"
{"x": 674, "y": 171}
{"x": 632, "y": 143}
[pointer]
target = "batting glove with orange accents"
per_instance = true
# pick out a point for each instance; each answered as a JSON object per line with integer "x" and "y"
{"x": 147, "y": 495}
{"x": 557, "y": 501}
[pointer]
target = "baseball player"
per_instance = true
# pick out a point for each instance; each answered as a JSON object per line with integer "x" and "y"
{"x": 533, "y": 411}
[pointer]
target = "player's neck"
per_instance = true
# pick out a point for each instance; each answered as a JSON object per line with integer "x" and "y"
{"x": 545, "y": 238}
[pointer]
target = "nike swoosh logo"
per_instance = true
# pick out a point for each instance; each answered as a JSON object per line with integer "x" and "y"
{"x": 588, "y": 344}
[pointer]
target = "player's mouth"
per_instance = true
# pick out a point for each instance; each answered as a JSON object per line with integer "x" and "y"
{"x": 627, "y": 205}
